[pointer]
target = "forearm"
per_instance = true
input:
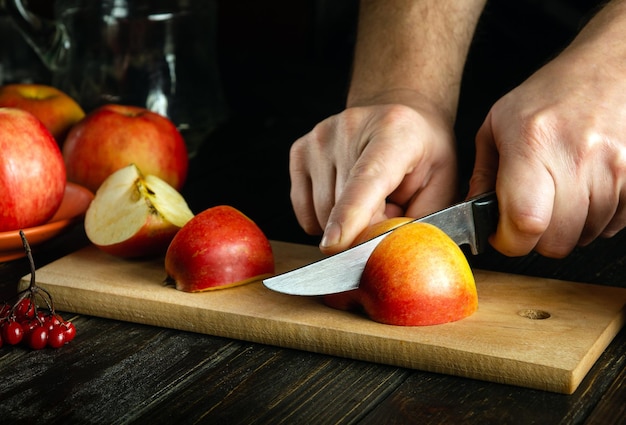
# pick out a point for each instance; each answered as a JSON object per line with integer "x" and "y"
{"x": 604, "y": 37}
{"x": 408, "y": 46}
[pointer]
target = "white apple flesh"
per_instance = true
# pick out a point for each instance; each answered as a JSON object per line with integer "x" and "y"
{"x": 133, "y": 215}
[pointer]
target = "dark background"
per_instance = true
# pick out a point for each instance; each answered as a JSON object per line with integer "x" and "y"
{"x": 285, "y": 66}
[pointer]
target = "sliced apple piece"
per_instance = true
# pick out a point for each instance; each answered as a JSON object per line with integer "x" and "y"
{"x": 219, "y": 248}
{"x": 133, "y": 215}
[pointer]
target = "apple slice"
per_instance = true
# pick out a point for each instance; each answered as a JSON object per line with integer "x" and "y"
{"x": 133, "y": 215}
{"x": 219, "y": 248}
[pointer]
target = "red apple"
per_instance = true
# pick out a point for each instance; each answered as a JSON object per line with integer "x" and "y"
{"x": 415, "y": 276}
{"x": 218, "y": 248}
{"x": 135, "y": 215}
{"x": 54, "y": 108}
{"x": 32, "y": 173}
{"x": 113, "y": 136}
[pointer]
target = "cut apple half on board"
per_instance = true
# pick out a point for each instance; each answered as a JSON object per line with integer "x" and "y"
{"x": 133, "y": 215}
{"x": 416, "y": 276}
{"x": 220, "y": 248}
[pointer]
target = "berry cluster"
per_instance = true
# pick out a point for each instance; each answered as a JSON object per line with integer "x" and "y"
{"x": 25, "y": 322}
{"x": 37, "y": 328}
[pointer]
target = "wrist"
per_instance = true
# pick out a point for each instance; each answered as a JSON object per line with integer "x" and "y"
{"x": 407, "y": 97}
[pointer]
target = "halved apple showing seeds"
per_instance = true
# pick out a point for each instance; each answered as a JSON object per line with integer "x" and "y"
{"x": 133, "y": 215}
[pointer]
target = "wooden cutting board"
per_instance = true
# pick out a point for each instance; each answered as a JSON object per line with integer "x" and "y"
{"x": 508, "y": 340}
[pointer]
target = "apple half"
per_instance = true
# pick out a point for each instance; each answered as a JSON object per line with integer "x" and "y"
{"x": 416, "y": 276}
{"x": 133, "y": 215}
{"x": 219, "y": 248}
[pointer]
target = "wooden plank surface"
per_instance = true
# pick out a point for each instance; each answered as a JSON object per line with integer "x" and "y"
{"x": 497, "y": 343}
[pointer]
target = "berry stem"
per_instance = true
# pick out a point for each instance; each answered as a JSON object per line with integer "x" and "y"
{"x": 33, "y": 289}
{"x": 31, "y": 262}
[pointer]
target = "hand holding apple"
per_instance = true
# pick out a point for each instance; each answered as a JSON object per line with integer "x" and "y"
{"x": 55, "y": 109}
{"x": 113, "y": 136}
{"x": 415, "y": 276}
{"x": 32, "y": 173}
{"x": 218, "y": 248}
{"x": 135, "y": 215}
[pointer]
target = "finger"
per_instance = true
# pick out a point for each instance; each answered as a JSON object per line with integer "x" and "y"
{"x": 526, "y": 196}
{"x": 301, "y": 192}
{"x": 526, "y": 193}
{"x": 618, "y": 222}
{"x": 569, "y": 214}
{"x": 436, "y": 193}
{"x": 603, "y": 207}
{"x": 378, "y": 171}
{"x": 428, "y": 188}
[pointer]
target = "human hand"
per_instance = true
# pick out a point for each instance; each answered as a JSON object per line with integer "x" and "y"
{"x": 555, "y": 150}
{"x": 369, "y": 163}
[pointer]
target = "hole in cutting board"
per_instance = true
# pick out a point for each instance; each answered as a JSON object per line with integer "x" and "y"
{"x": 534, "y": 314}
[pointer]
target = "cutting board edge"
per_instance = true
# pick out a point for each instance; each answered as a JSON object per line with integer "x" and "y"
{"x": 602, "y": 342}
{"x": 108, "y": 311}
{"x": 554, "y": 379}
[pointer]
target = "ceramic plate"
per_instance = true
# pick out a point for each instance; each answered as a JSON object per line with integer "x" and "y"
{"x": 74, "y": 204}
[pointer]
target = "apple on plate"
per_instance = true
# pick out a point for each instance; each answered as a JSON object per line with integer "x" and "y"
{"x": 416, "y": 276}
{"x": 55, "y": 109}
{"x": 134, "y": 215}
{"x": 113, "y": 136}
{"x": 32, "y": 173}
{"x": 219, "y": 248}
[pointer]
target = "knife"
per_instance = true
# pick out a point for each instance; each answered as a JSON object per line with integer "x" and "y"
{"x": 470, "y": 222}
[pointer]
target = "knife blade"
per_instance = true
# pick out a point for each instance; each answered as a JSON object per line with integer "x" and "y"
{"x": 470, "y": 222}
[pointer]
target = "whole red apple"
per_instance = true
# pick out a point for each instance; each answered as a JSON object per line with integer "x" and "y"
{"x": 114, "y": 136}
{"x": 135, "y": 215}
{"x": 415, "y": 276}
{"x": 218, "y": 248}
{"x": 54, "y": 108}
{"x": 32, "y": 173}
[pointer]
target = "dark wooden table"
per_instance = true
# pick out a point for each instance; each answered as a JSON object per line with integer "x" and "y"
{"x": 118, "y": 372}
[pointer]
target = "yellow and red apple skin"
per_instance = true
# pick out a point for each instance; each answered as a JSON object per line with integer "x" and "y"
{"x": 219, "y": 248}
{"x": 150, "y": 241}
{"x": 32, "y": 173}
{"x": 379, "y": 228}
{"x": 55, "y": 109}
{"x": 113, "y": 136}
{"x": 416, "y": 276}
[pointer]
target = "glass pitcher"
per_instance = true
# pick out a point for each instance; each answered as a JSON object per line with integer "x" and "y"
{"x": 159, "y": 54}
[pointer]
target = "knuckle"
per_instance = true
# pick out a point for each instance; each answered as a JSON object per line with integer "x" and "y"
{"x": 528, "y": 224}
{"x": 537, "y": 128}
{"x": 369, "y": 173}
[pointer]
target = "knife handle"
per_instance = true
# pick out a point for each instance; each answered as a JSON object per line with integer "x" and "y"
{"x": 485, "y": 210}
